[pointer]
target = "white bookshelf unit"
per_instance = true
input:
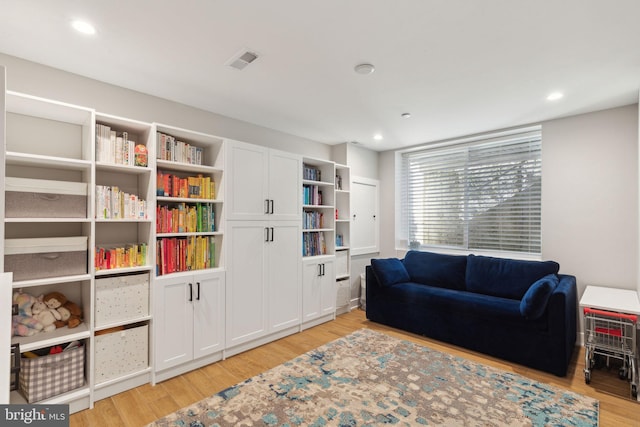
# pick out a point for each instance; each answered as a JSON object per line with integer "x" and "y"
{"x": 189, "y": 283}
{"x": 343, "y": 238}
{"x": 51, "y": 141}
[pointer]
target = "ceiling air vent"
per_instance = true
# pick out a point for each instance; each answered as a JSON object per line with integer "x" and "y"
{"x": 243, "y": 58}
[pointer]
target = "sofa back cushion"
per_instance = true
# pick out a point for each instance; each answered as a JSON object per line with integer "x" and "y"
{"x": 429, "y": 268}
{"x": 389, "y": 271}
{"x": 506, "y": 278}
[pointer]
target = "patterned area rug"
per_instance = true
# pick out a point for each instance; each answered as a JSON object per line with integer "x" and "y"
{"x": 369, "y": 378}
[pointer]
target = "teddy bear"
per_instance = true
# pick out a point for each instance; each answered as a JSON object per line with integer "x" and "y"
{"x": 47, "y": 316}
{"x": 70, "y": 312}
{"x": 24, "y": 324}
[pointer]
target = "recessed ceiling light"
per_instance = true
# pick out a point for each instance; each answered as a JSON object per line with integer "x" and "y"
{"x": 405, "y": 115}
{"x": 377, "y": 137}
{"x": 554, "y": 96}
{"x": 83, "y": 27}
{"x": 364, "y": 68}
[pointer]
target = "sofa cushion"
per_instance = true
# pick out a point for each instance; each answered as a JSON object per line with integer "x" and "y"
{"x": 506, "y": 278}
{"x": 389, "y": 271}
{"x": 534, "y": 301}
{"x": 446, "y": 271}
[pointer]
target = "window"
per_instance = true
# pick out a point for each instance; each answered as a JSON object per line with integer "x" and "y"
{"x": 475, "y": 195}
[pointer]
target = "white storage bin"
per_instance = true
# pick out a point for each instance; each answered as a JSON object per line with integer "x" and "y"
{"x": 121, "y": 298}
{"x": 45, "y": 257}
{"x": 121, "y": 352}
{"x": 41, "y": 198}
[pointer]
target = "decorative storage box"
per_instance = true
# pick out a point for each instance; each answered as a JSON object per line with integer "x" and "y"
{"x": 47, "y": 376}
{"x": 45, "y": 257}
{"x": 40, "y": 198}
{"x": 121, "y": 352}
{"x": 121, "y": 298}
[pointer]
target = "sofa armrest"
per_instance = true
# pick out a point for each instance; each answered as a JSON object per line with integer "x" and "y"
{"x": 563, "y": 311}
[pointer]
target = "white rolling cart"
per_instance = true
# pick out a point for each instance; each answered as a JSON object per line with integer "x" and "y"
{"x": 611, "y": 330}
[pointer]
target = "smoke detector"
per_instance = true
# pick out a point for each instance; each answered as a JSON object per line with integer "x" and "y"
{"x": 241, "y": 59}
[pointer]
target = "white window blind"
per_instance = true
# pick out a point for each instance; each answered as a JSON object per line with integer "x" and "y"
{"x": 482, "y": 195}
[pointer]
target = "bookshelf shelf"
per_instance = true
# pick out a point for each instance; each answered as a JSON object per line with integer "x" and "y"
{"x": 50, "y": 281}
{"x": 166, "y": 199}
{"x": 53, "y": 220}
{"x": 186, "y": 167}
{"x": 25, "y": 159}
{"x": 56, "y": 337}
{"x": 102, "y": 166}
{"x": 125, "y": 270}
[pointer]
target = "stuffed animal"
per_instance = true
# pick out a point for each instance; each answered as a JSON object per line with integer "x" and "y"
{"x": 47, "y": 316}
{"x": 24, "y": 324}
{"x": 70, "y": 312}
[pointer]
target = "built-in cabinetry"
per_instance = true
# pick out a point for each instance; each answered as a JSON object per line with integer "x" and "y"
{"x": 189, "y": 321}
{"x": 343, "y": 239}
{"x": 123, "y": 253}
{"x": 318, "y": 241}
{"x": 181, "y": 248}
{"x": 189, "y": 287}
{"x": 263, "y": 244}
{"x": 47, "y": 142}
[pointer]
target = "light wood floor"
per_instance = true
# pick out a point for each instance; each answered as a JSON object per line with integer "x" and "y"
{"x": 144, "y": 404}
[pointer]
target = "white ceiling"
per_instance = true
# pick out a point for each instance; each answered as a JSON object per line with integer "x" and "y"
{"x": 458, "y": 66}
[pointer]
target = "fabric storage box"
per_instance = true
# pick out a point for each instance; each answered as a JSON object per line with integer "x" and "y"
{"x": 47, "y": 376}
{"x": 40, "y": 198}
{"x": 120, "y": 351}
{"x": 121, "y": 298}
{"x": 45, "y": 257}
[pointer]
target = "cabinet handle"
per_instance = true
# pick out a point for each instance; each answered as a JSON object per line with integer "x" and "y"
{"x": 190, "y": 292}
{"x": 271, "y": 207}
{"x": 323, "y": 269}
{"x": 319, "y": 269}
{"x": 266, "y": 206}
{"x": 266, "y": 234}
{"x": 198, "y": 297}
{"x": 271, "y": 234}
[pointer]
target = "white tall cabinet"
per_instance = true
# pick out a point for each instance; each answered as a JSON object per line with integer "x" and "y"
{"x": 263, "y": 230}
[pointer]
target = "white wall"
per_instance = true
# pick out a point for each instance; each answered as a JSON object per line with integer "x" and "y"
{"x": 589, "y": 197}
{"x": 46, "y": 82}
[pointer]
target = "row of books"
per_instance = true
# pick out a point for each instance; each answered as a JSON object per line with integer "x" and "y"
{"x": 112, "y": 203}
{"x": 313, "y": 244}
{"x": 169, "y": 148}
{"x": 311, "y": 173}
{"x": 311, "y": 220}
{"x": 185, "y": 254}
{"x": 114, "y": 147}
{"x": 311, "y": 195}
{"x": 183, "y": 218}
{"x": 195, "y": 187}
{"x": 131, "y": 255}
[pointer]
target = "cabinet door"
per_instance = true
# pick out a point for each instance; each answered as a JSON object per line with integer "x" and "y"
{"x": 173, "y": 322}
{"x": 208, "y": 313}
{"x": 311, "y": 290}
{"x": 328, "y": 288}
{"x": 284, "y": 291}
{"x": 285, "y": 174}
{"x": 247, "y": 185}
{"x": 246, "y": 294}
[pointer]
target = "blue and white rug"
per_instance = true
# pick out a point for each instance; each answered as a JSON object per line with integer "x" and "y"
{"x": 369, "y": 378}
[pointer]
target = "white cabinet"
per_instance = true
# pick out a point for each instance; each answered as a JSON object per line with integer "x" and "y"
{"x": 263, "y": 183}
{"x": 191, "y": 326}
{"x": 263, "y": 280}
{"x": 319, "y": 290}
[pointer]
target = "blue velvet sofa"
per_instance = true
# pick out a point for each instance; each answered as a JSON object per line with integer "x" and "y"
{"x": 520, "y": 311}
